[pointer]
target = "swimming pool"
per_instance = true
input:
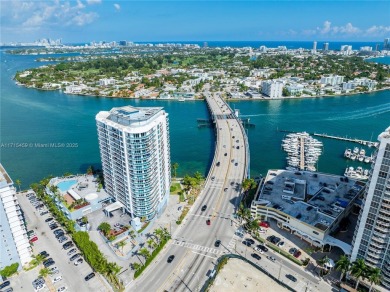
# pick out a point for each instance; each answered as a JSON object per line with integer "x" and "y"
{"x": 66, "y": 185}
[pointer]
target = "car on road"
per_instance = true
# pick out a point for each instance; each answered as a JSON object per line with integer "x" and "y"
{"x": 74, "y": 257}
{"x": 208, "y": 222}
{"x": 35, "y": 238}
{"x": 89, "y": 276}
{"x": 72, "y": 251}
{"x": 258, "y": 249}
{"x": 256, "y": 256}
{"x": 291, "y": 277}
{"x": 170, "y": 258}
{"x": 5, "y": 284}
{"x": 61, "y": 289}
{"x": 247, "y": 243}
{"x": 217, "y": 243}
{"x": 297, "y": 254}
{"x": 272, "y": 259}
{"x": 78, "y": 262}
{"x": 204, "y": 207}
{"x": 292, "y": 250}
{"x": 250, "y": 240}
{"x": 57, "y": 279}
{"x": 49, "y": 219}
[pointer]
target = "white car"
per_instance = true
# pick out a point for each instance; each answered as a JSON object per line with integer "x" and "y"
{"x": 63, "y": 288}
{"x": 40, "y": 287}
{"x": 57, "y": 279}
{"x": 78, "y": 262}
{"x": 53, "y": 270}
{"x": 258, "y": 250}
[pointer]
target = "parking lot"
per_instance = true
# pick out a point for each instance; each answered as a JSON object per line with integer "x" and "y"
{"x": 72, "y": 277}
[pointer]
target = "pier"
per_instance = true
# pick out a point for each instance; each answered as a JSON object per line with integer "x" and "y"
{"x": 354, "y": 140}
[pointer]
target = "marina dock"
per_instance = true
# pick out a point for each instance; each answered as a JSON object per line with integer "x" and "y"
{"x": 354, "y": 140}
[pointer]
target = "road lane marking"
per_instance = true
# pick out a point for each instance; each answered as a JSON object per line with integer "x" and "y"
{"x": 205, "y": 255}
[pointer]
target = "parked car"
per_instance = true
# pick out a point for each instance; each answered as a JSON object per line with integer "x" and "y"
{"x": 170, "y": 258}
{"x": 291, "y": 277}
{"x": 217, "y": 243}
{"x": 5, "y": 284}
{"x": 292, "y": 250}
{"x": 297, "y": 254}
{"x": 74, "y": 257}
{"x": 204, "y": 207}
{"x": 256, "y": 256}
{"x": 258, "y": 249}
{"x": 78, "y": 262}
{"x": 89, "y": 276}
{"x": 280, "y": 244}
{"x": 44, "y": 254}
{"x": 250, "y": 240}
{"x": 246, "y": 243}
{"x": 35, "y": 238}
{"x": 262, "y": 247}
{"x": 49, "y": 219}
{"x": 52, "y": 227}
{"x": 48, "y": 263}
{"x": 44, "y": 213}
{"x": 68, "y": 245}
{"x": 57, "y": 231}
{"x": 60, "y": 234}
{"x": 264, "y": 224}
{"x": 54, "y": 270}
{"x": 208, "y": 222}
{"x": 57, "y": 279}
{"x": 62, "y": 239}
{"x": 271, "y": 238}
{"x": 72, "y": 251}
{"x": 61, "y": 289}
{"x": 9, "y": 289}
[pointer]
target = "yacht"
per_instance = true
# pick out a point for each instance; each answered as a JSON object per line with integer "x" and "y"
{"x": 347, "y": 153}
{"x": 353, "y": 156}
{"x": 356, "y": 150}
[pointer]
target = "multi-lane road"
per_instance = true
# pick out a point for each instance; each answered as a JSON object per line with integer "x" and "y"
{"x": 193, "y": 245}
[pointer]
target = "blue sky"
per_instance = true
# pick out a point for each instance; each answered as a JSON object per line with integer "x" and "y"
{"x": 88, "y": 20}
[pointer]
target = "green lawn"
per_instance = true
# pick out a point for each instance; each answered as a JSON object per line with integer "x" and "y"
{"x": 175, "y": 188}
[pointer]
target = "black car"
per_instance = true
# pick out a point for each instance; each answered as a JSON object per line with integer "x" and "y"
{"x": 256, "y": 256}
{"x": 246, "y": 243}
{"x": 218, "y": 163}
{"x": 44, "y": 254}
{"x": 292, "y": 250}
{"x": 250, "y": 240}
{"x": 217, "y": 243}
{"x": 89, "y": 276}
{"x": 59, "y": 235}
{"x": 48, "y": 262}
{"x": 53, "y": 227}
{"x": 68, "y": 245}
{"x": 263, "y": 248}
{"x": 74, "y": 257}
{"x": 271, "y": 238}
{"x": 49, "y": 219}
{"x": 170, "y": 258}
{"x": 225, "y": 154}
{"x": 204, "y": 207}
{"x": 276, "y": 240}
{"x": 291, "y": 277}
{"x": 57, "y": 231}
{"x": 5, "y": 284}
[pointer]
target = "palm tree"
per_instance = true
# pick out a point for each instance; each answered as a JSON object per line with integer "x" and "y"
{"x": 105, "y": 228}
{"x": 159, "y": 234}
{"x": 122, "y": 244}
{"x": 150, "y": 243}
{"x": 374, "y": 276}
{"x": 175, "y": 166}
{"x": 19, "y": 183}
{"x": 135, "y": 266}
{"x": 144, "y": 252}
{"x": 358, "y": 270}
{"x": 247, "y": 184}
{"x": 322, "y": 262}
{"x": 38, "y": 259}
{"x": 44, "y": 272}
{"x": 132, "y": 233}
{"x": 343, "y": 265}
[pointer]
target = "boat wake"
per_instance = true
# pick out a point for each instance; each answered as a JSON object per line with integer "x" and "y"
{"x": 365, "y": 113}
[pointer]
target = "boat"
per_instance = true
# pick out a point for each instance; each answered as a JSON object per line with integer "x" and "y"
{"x": 365, "y": 172}
{"x": 367, "y": 159}
{"x": 356, "y": 150}
{"x": 353, "y": 156}
{"x": 347, "y": 153}
{"x": 360, "y": 158}
{"x": 181, "y": 99}
{"x": 362, "y": 152}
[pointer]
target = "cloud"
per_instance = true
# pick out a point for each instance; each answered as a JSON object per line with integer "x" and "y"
{"x": 117, "y": 6}
{"x": 35, "y": 15}
{"x": 92, "y": 2}
{"x": 347, "y": 30}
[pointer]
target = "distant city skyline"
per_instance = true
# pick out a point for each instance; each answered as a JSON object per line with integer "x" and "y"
{"x": 95, "y": 20}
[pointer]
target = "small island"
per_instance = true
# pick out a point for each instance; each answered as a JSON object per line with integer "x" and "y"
{"x": 183, "y": 72}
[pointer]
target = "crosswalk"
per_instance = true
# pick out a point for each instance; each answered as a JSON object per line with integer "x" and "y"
{"x": 233, "y": 242}
{"x": 198, "y": 247}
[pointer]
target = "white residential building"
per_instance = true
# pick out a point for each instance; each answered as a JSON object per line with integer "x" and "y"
{"x": 272, "y": 88}
{"x": 332, "y": 80}
{"x": 15, "y": 246}
{"x": 107, "y": 81}
{"x": 371, "y": 240}
{"x": 295, "y": 89}
{"x": 75, "y": 89}
{"x": 135, "y": 153}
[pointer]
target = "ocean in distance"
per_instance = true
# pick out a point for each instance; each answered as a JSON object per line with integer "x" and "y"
{"x": 31, "y": 119}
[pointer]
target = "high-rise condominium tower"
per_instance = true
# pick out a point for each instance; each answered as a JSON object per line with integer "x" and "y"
{"x": 372, "y": 235}
{"x": 135, "y": 154}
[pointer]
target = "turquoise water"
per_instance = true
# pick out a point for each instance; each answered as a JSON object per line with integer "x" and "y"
{"x": 32, "y": 118}
{"x": 66, "y": 185}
